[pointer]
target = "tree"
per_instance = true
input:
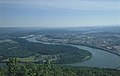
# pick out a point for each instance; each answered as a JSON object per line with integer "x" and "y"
{"x": 12, "y": 67}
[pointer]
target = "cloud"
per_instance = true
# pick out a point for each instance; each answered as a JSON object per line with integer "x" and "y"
{"x": 67, "y": 4}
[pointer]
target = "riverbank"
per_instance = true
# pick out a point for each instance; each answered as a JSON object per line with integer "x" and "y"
{"x": 100, "y": 58}
{"x": 92, "y": 46}
{"x": 30, "y": 50}
{"x": 95, "y": 47}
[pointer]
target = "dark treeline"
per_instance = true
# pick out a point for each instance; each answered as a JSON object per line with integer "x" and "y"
{"x": 24, "y": 48}
{"x": 13, "y": 68}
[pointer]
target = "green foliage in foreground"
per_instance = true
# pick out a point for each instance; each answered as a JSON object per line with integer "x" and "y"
{"x": 13, "y": 68}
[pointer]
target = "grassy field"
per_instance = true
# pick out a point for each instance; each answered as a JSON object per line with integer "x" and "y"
{"x": 26, "y": 59}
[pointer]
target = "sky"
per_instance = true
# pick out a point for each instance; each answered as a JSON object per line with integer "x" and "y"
{"x": 59, "y": 13}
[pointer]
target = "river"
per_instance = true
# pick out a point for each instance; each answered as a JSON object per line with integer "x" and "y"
{"x": 100, "y": 58}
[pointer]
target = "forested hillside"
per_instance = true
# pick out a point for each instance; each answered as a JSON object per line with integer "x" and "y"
{"x": 21, "y": 48}
{"x": 14, "y": 68}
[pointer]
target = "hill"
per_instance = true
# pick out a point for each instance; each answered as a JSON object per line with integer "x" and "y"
{"x": 30, "y": 69}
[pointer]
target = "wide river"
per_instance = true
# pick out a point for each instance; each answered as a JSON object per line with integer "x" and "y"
{"x": 100, "y": 58}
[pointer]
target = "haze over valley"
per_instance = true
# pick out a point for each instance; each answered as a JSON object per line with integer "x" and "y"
{"x": 59, "y": 37}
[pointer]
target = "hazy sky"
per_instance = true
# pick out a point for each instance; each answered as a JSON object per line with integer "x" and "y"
{"x": 59, "y": 13}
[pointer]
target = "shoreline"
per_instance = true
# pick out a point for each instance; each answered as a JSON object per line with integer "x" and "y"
{"x": 91, "y": 46}
{"x": 94, "y": 47}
